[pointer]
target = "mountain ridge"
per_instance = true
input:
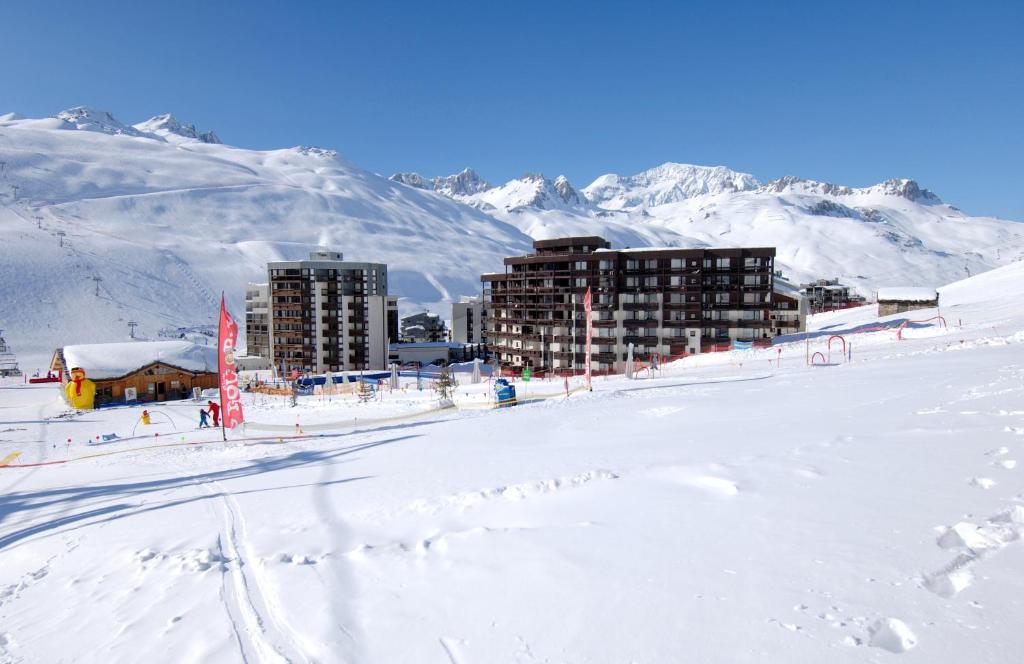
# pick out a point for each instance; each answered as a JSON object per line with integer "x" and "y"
{"x": 169, "y": 220}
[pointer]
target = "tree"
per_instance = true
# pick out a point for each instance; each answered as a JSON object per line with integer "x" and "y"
{"x": 445, "y": 384}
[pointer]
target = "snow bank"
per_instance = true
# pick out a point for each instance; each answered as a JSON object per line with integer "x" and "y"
{"x": 114, "y": 360}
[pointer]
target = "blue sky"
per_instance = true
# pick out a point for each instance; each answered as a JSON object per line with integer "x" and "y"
{"x": 853, "y": 94}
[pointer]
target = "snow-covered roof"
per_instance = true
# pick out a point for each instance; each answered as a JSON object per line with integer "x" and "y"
{"x": 782, "y": 286}
{"x": 119, "y": 359}
{"x": 907, "y": 294}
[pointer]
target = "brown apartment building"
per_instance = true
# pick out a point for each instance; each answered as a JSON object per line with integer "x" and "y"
{"x": 664, "y": 301}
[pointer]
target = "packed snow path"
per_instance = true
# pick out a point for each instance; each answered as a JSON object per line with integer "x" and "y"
{"x": 734, "y": 513}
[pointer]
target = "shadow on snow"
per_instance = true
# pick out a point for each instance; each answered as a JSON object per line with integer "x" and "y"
{"x": 72, "y": 496}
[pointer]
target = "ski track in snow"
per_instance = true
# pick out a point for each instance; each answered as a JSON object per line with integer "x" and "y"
{"x": 263, "y": 633}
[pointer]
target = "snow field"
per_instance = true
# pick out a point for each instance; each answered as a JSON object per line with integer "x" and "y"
{"x": 730, "y": 510}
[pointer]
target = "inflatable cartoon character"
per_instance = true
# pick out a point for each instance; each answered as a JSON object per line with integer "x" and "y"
{"x": 80, "y": 390}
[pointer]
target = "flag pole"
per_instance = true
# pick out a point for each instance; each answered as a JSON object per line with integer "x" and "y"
{"x": 220, "y": 367}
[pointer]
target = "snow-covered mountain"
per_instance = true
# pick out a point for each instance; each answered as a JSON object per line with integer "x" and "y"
{"x": 668, "y": 183}
{"x": 168, "y": 217}
{"x": 167, "y": 225}
{"x": 895, "y": 232}
{"x": 89, "y": 119}
{"x": 462, "y": 184}
{"x": 168, "y": 127}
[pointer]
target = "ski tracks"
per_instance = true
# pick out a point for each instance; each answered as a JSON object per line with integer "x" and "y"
{"x": 260, "y": 627}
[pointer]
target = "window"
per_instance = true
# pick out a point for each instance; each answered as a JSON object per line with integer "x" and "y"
{"x": 579, "y": 265}
{"x": 605, "y": 265}
{"x": 581, "y": 282}
{"x": 651, "y": 264}
{"x": 722, "y": 263}
{"x": 677, "y": 263}
{"x": 632, "y": 264}
{"x": 751, "y": 280}
{"x": 651, "y": 282}
{"x": 721, "y": 298}
{"x": 751, "y": 262}
{"x": 632, "y": 282}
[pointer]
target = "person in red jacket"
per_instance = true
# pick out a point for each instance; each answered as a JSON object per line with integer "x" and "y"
{"x": 214, "y": 413}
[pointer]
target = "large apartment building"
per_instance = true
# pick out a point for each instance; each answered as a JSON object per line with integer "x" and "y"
{"x": 663, "y": 301}
{"x": 324, "y": 314}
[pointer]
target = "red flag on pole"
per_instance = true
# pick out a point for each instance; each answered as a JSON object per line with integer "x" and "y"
{"x": 230, "y": 394}
{"x": 587, "y": 305}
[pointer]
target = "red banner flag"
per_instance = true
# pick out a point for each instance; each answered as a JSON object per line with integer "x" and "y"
{"x": 587, "y": 306}
{"x": 230, "y": 393}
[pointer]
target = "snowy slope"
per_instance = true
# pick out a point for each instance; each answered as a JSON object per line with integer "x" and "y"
{"x": 742, "y": 507}
{"x": 168, "y": 224}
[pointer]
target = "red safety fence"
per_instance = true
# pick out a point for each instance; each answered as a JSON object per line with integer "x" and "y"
{"x": 899, "y": 332}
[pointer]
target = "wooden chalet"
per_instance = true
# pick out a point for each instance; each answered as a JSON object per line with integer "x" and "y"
{"x": 157, "y": 370}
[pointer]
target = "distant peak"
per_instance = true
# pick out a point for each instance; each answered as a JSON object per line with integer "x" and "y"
{"x": 91, "y": 119}
{"x": 670, "y": 182}
{"x": 165, "y": 124}
{"x": 566, "y": 191}
{"x": 908, "y": 189}
{"x": 315, "y": 151}
{"x": 464, "y": 183}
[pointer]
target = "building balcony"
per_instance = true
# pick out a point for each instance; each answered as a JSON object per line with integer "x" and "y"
{"x": 640, "y": 323}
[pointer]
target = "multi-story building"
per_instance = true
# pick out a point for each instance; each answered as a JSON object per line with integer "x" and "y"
{"x": 829, "y": 295}
{"x": 468, "y": 321}
{"x": 664, "y": 301}
{"x": 327, "y": 314}
{"x": 789, "y": 308}
{"x": 257, "y": 320}
{"x": 423, "y": 328}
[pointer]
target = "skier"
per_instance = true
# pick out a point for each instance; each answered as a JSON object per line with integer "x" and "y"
{"x": 202, "y": 419}
{"x": 214, "y": 413}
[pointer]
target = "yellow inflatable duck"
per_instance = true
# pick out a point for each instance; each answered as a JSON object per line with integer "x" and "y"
{"x": 80, "y": 390}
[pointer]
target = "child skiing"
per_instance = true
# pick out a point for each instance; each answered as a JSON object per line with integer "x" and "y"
{"x": 202, "y": 419}
{"x": 214, "y": 413}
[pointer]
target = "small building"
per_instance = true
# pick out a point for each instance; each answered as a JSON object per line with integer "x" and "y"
{"x": 8, "y": 362}
{"x": 829, "y": 295}
{"x": 896, "y": 300}
{"x": 423, "y": 327}
{"x": 156, "y": 370}
{"x": 441, "y": 353}
{"x": 468, "y": 321}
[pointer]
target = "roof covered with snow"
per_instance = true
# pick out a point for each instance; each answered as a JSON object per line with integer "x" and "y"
{"x": 907, "y": 294}
{"x": 119, "y": 359}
